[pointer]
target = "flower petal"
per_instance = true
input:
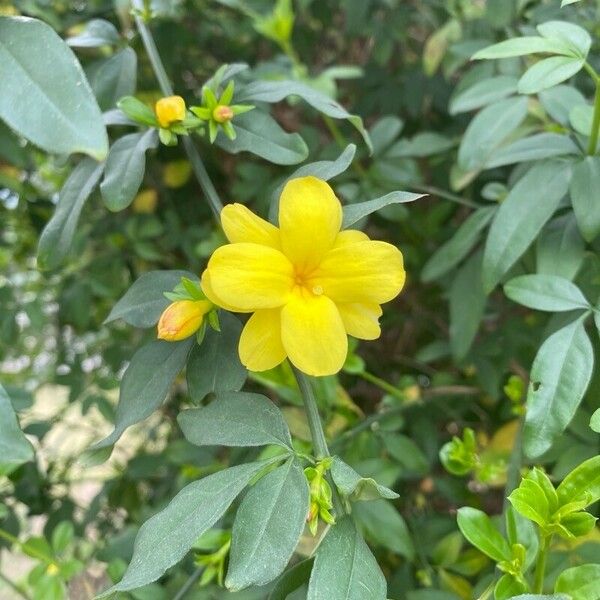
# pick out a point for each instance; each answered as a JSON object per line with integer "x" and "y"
{"x": 310, "y": 217}
{"x": 249, "y": 276}
{"x": 369, "y": 271}
{"x": 260, "y": 343}
{"x": 206, "y": 286}
{"x": 361, "y": 320}
{"x": 241, "y": 225}
{"x": 313, "y": 334}
{"x": 349, "y": 236}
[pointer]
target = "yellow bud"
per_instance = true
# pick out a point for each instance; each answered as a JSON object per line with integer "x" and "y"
{"x": 145, "y": 202}
{"x": 182, "y": 319}
{"x": 222, "y": 113}
{"x": 169, "y": 110}
{"x": 52, "y": 569}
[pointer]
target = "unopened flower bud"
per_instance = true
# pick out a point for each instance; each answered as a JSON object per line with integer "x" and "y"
{"x": 182, "y": 319}
{"x": 222, "y": 113}
{"x": 170, "y": 110}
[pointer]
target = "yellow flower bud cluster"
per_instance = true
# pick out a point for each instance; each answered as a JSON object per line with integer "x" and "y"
{"x": 320, "y": 495}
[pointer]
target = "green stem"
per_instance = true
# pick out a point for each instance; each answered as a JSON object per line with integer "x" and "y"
{"x": 513, "y": 473}
{"x": 9, "y": 537}
{"x": 595, "y": 123}
{"x": 382, "y": 384}
{"x": 187, "y": 586}
{"x": 317, "y": 433}
{"x": 167, "y": 89}
{"x": 540, "y": 567}
{"x": 434, "y": 191}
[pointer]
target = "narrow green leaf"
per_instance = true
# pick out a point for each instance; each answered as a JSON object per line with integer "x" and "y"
{"x": 236, "y": 419}
{"x": 546, "y": 292}
{"x": 521, "y": 47}
{"x": 595, "y": 421}
{"x": 488, "y": 130}
{"x": 548, "y": 73}
{"x": 530, "y": 501}
{"x": 355, "y": 212}
{"x": 483, "y": 93}
{"x": 580, "y": 583}
{"x": 57, "y": 237}
{"x": 215, "y": 365}
{"x": 113, "y": 77}
{"x": 479, "y": 529}
{"x": 267, "y": 527}
{"x": 46, "y": 97}
{"x": 584, "y": 186}
{"x": 560, "y": 249}
{"x": 274, "y": 91}
{"x": 508, "y": 587}
{"x": 573, "y": 36}
{"x": 345, "y": 568}
{"x": 560, "y": 100}
{"x": 582, "y": 483}
{"x": 143, "y": 303}
{"x": 560, "y": 375}
{"x": 459, "y": 245}
{"x": 146, "y": 383}
{"x": 291, "y": 580}
{"x": 95, "y": 34}
{"x": 354, "y": 486}
{"x": 166, "y": 538}
{"x": 426, "y": 143}
{"x": 534, "y": 147}
{"x": 521, "y": 216}
{"x": 259, "y": 133}
{"x": 15, "y": 448}
{"x": 125, "y": 168}
{"x": 383, "y": 525}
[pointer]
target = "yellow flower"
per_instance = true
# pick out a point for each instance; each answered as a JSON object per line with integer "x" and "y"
{"x": 169, "y": 110}
{"x": 182, "y": 319}
{"x": 308, "y": 284}
{"x": 145, "y": 202}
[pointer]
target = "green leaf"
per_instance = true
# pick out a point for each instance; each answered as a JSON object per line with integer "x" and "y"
{"x": 355, "y": 212}
{"x": 488, "y": 130}
{"x": 576, "y": 38}
{"x": 560, "y": 249}
{"x": 354, "y": 486}
{"x": 137, "y": 111}
{"x": 165, "y": 539}
{"x": 467, "y": 306}
{"x": 95, "y": 34}
{"x": 114, "y": 77}
{"x": 236, "y": 419}
{"x": 15, "y": 448}
{"x": 567, "y": 2}
{"x": 483, "y": 93}
{"x": 534, "y": 147}
{"x": 530, "y": 501}
{"x": 323, "y": 169}
{"x": 560, "y": 375}
{"x": 581, "y": 583}
{"x": 344, "y": 567}
{"x": 595, "y": 421}
{"x": 384, "y": 132}
{"x": 508, "y": 587}
{"x": 546, "y": 292}
{"x": 57, "y": 237}
{"x": 459, "y": 245}
{"x": 125, "y": 168}
{"x": 215, "y": 365}
{"x": 479, "y": 529}
{"x": 143, "y": 303}
{"x": 384, "y": 525}
{"x": 548, "y": 73}
{"x": 146, "y": 383}
{"x": 560, "y": 100}
{"x": 584, "y": 183}
{"x": 582, "y": 483}
{"x": 521, "y": 216}
{"x": 46, "y": 97}
{"x": 268, "y": 526}
{"x": 521, "y": 46}
{"x": 274, "y": 91}
{"x": 291, "y": 580}
{"x": 62, "y": 536}
{"x": 423, "y": 144}
{"x": 406, "y": 452}
{"x": 542, "y": 597}
{"x": 259, "y": 133}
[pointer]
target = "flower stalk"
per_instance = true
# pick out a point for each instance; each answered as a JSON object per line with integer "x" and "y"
{"x": 167, "y": 89}
{"x": 596, "y": 122}
{"x": 540, "y": 566}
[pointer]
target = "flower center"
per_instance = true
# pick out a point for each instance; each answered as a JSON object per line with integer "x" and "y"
{"x": 303, "y": 284}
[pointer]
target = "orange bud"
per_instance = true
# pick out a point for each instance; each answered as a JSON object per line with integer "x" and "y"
{"x": 222, "y": 113}
{"x": 182, "y": 319}
{"x": 169, "y": 110}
